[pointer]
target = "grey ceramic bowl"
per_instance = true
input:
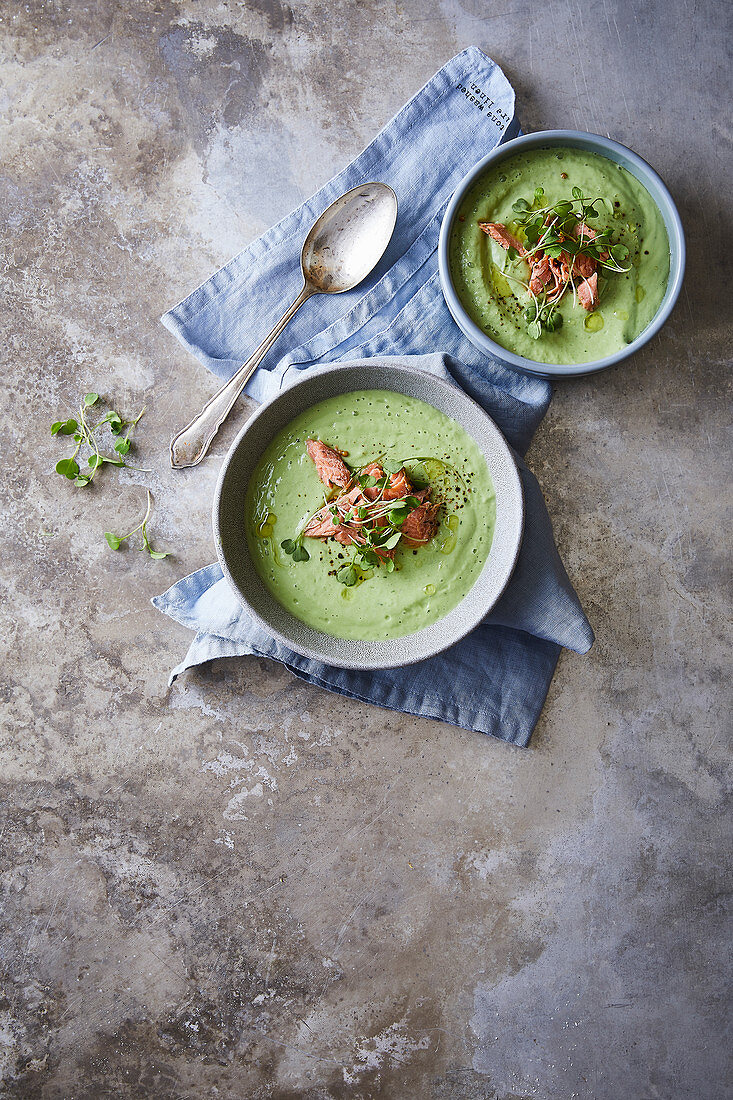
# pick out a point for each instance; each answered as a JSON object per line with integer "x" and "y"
{"x": 575, "y": 139}
{"x": 231, "y": 540}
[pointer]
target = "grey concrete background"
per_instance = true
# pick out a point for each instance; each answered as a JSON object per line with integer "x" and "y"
{"x": 246, "y": 887}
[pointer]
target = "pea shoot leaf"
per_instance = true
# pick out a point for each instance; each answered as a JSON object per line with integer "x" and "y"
{"x": 347, "y": 575}
{"x": 68, "y": 467}
{"x": 64, "y": 427}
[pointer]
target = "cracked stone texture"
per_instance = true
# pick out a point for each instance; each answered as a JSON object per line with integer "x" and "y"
{"x": 247, "y": 887}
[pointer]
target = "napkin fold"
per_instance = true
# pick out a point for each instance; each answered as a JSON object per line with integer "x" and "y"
{"x": 494, "y": 681}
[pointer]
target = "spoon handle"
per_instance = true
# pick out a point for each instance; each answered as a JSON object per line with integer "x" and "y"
{"x": 191, "y": 444}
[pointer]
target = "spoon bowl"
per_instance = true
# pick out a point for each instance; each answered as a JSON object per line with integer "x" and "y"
{"x": 343, "y": 245}
{"x": 349, "y": 238}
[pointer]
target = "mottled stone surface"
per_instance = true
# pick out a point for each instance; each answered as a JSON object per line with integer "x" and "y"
{"x": 246, "y": 887}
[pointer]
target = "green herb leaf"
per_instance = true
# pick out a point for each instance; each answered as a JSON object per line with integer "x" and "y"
{"x": 389, "y": 565}
{"x": 157, "y": 555}
{"x": 82, "y": 480}
{"x": 95, "y": 461}
{"x": 397, "y": 516}
{"x": 115, "y": 422}
{"x": 113, "y": 541}
{"x": 64, "y": 427}
{"x": 300, "y": 553}
{"x": 68, "y": 467}
{"x": 535, "y": 330}
{"x": 122, "y": 446}
{"x": 90, "y": 399}
{"x": 577, "y": 193}
{"x": 520, "y": 206}
{"x": 512, "y": 252}
{"x": 288, "y": 545}
{"x": 347, "y": 575}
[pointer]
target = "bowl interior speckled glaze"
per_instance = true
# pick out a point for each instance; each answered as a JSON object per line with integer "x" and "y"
{"x": 231, "y": 538}
{"x": 619, "y": 154}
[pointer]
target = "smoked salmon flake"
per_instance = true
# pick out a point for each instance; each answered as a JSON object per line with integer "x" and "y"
{"x": 330, "y": 466}
{"x": 502, "y": 236}
{"x": 588, "y": 292}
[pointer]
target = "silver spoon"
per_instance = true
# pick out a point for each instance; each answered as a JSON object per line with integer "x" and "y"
{"x": 343, "y": 246}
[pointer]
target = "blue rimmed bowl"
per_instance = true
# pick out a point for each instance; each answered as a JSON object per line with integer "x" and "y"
{"x": 618, "y": 154}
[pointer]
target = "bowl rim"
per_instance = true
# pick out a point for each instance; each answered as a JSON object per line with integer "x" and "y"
{"x": 470, "y": 622}
{"x": 613, "y": 150}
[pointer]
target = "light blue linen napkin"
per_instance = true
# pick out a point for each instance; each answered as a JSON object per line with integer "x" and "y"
{"x": 496, "y": 680}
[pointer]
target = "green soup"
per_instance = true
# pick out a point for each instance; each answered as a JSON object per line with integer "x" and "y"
{"x": 480, "y": 266}
{"x": 428, "y": 582}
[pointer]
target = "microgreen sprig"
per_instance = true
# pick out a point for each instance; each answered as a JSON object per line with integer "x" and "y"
{"x": 115, "y": 541}
{"x": 552, "y": 228}
{"x": 372, "y": 523}
{"x": 368, "y": 556}
{"x": 84, "y": 434}
{"x": 296, "y": 550}
{"x": 84, "y": 431}
{"x": 557, "y": 230}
